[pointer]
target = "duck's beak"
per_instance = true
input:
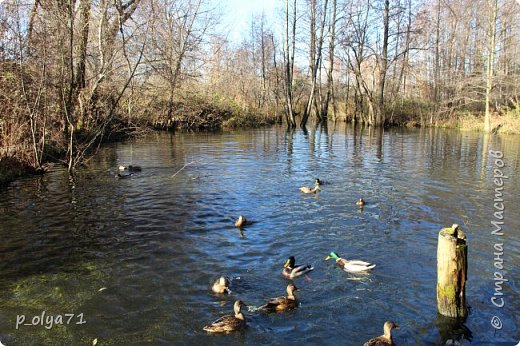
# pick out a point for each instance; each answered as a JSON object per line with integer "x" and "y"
{"x": 327, "y": 258}
{"x": 397, "y": 326}
{"x": 286, "y": 263}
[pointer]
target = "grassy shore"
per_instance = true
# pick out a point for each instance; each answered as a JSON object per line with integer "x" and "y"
{"x": 508, "y": 123}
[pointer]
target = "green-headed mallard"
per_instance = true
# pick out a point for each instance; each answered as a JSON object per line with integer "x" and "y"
{"x": 292, "y": 270}
{"x": 221, "y": 285}
{"x": 241, "y": 222}
{"x": 360, "y": 202}
{"x": 306, "y": 189}
{"x": 386, "y": 338}
{"x": 352, "y": 265}
{"x": 228, "y": 323}
{"x": 130, "y": 168}
{"x": 281, "y": 304}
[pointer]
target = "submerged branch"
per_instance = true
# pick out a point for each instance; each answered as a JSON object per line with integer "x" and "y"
{"x": 186, "y": 165}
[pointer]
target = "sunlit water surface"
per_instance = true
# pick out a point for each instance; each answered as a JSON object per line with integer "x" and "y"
{"x": 137, "y": 256}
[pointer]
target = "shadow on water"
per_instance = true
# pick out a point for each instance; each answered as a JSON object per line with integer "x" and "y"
{"x": 453, "y": 331}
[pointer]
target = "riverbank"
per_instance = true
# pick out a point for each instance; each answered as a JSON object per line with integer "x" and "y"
{"x": 12, "y": 168}
{"x": 203, "y": 115}
{"x": 508, "y": 123}
{"x": 187, "y": 114}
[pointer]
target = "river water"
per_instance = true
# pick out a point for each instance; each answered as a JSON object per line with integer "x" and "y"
{"x": 134, "y": 258}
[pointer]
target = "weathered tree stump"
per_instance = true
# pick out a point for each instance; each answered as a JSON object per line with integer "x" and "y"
{"x": 452, "y": 270}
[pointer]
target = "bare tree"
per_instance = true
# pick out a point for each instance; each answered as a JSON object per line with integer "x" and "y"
{"x": 492, "y": 30}
{"x": 317, "y": 64}
{"x": 289, "y": 64}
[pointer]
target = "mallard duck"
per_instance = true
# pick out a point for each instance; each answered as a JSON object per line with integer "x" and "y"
{"x": 306, "y": 189}
{"x": 281, "y": 304}
{"x": 241, "y": 222}
{"x": 360, "y": 202}
{"x": 130, "y": 168}
{"x": 352, "y": 265}
{"x": 221, "y": 285}
{"x": 292, "y": 270}
{"x": 386, "y": 338}
{"x": 228, "y": 323}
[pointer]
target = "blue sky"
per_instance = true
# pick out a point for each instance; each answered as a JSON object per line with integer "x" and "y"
{"x": 236, "y": 15}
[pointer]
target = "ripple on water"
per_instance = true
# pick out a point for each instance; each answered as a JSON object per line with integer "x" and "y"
{"x": 156, "y": 241}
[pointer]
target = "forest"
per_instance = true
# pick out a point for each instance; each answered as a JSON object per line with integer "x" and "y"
{"x": 76, "y": 73}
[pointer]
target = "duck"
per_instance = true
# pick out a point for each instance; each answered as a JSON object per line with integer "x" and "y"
{"x": 130, "y": 168}
{"x": 292, "y": 270}
{"x": 241, "y": 221}
{"x": 352, "y": 265}
{"x": 228, "y": 323}
{"x": 386, "y": 338}
{"x": 124, "y": 175}
{"x": 306, "y": 189}
{"x": 221, "y": 286}
{"x": 320, "y": 182}
{"x": 281, "y": 304}
{"x": 360, "y": 202}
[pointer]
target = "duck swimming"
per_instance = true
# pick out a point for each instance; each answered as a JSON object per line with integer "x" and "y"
{"x": 306, "y": 189}
{"x": 360, "y": 202}
{"x": 241, "y": 222}
{"x": 281, "y": 304}
{"x": 292, "y": 270}
{"x": 352, "y": 265}
{"x": 124, "y": 175}
{"x": 221, "y": 286}
{"x": 228, "y": 323}
{"x": 386, "y": 338}
{"x": 130, "y": 168}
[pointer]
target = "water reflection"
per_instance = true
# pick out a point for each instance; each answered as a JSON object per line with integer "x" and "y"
{"x": 157, "y": 239}
{"x": 453, "y": 331}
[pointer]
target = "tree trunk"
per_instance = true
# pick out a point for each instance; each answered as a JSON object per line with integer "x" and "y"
{"x": 452, "y": 260}
{"x": 289, "y": 66}
{"x": 84, "y": 8}
{"x": 330, "y": 80}
{"x": 80, "y": 76}
{"x": 380, "y": 113}
{"x": 317, "y": 65}
{"x": 492, "y": 4}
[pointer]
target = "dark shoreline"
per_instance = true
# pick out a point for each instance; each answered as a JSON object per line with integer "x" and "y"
{"x": 12, "y": 168}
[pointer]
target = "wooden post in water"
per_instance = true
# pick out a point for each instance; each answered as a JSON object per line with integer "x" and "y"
{"x": 452, "y": 269}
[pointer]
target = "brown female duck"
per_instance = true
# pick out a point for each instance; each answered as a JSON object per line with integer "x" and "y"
{"x": 228, "y": 323}
{"x": 281, "y": 304}
{"x": 386, "y": 338}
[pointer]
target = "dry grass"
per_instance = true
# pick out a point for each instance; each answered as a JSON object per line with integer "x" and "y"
{"x": 507, "y": 123}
